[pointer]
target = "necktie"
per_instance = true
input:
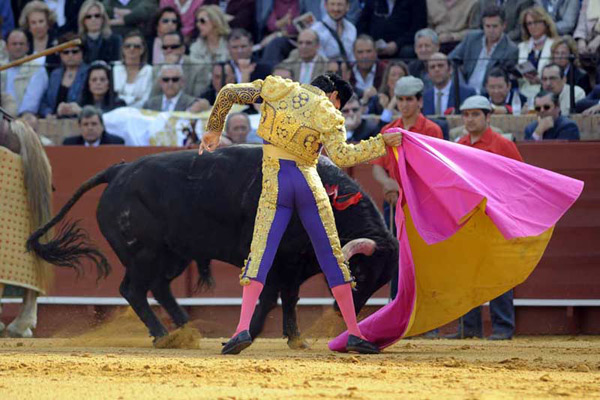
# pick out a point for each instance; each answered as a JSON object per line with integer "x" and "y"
{"x": 167, "y": 105}
{"x": 438, "y": 102}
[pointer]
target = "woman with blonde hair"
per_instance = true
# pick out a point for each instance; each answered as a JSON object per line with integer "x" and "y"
{"x": 99, "y": 42}
{"x": 538, "y": 33}
{"x": 132, "y": 76}
{"x": 37, "y": 20}
{"x": 385, "y": 98}
{"x": 211, "y": 45}
{"x": 563, "y": 50}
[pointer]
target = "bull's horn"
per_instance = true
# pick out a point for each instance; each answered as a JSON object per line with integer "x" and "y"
{"x": 358, "y": 246}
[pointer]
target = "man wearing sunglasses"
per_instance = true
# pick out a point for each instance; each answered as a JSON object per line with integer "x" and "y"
{"x": 550, "y": 123}
{"x": 172, "y": 81}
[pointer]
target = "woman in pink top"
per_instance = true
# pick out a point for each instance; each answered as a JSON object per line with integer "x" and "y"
{"x": 187, "y": 10}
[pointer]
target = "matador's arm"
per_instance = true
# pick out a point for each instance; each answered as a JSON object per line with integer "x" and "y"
{"x": 333, "y": 137}
{"x": 241, "y": 93}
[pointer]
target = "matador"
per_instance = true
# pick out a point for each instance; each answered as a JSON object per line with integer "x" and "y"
{"x": 297, "y": 120}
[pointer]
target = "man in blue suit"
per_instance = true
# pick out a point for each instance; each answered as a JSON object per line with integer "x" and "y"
{"x": 441, "y": 99}
{"x": 550, "y": 124}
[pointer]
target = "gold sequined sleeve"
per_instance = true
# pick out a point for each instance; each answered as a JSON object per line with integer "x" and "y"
{"x": 240, "y": 93}
{"x": 343, "y": 154}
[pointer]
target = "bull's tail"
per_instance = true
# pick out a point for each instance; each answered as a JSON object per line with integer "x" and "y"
{"x": 205, "y": 279}
{"x": 71, "y": 244}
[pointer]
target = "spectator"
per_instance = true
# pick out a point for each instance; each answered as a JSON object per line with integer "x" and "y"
{"x": 409, "y": 101}
{"x": 67, "y": 14}
{"x": 500, "y": 93}
{"x": 127, "y": 15}
{"x": 482, "y": 50}
{"x": 36, "y": 20}
{"x": 550, "y": 124}
{"x": 174, "y": 49}
{"x": 385, "y": 98}
{"x": 426, "y": 43}
{"x": 211, "y": 45}
{"x": 14, "y": 81}
{"x": 475, "y": 113}
{"x": 441, "y": 98}
{"x": 242, "y": 11}
{"x": 187, "y": 10}
{"x": 562, "y": 50}
{"x": 336, "y": 33}
{"x": 538, "y": 35}
{"x": 367, "y": 72}
{"x": 7, "y": 18}
{"x": 591, "y": 104}
{"x": 357, "y": 127}
{"x": 132, "y": 76}
{"x": 277, "y": 16}
{"x": 66, "y": 82}
{"x": 222, "y": 74}
{"x": 284, "y": 71}
{"x": 246, "y": 69}
{"x": 512, "y": 9}
{"x": 450, "y": 20}
{"x": 306, "y": 62}
{"x": 98, "y": 91}
{"x": 172, "y": 81}
{"x": 564, "y": 13}
{"x": 587, "y": 33}
{"x": 99, "y": 43}
{"x": 553, "y": 80}
{"x": 393, "y": 29}
{"x": 237, "y": 128}
{"x": 167, "y": 20}
{"x": 92, "y": 130}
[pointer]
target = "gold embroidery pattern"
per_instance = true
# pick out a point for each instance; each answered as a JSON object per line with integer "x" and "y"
{"x": 244, "y": 93}
{"x": 267, "y": 205}
{"x": 326, "y": 214}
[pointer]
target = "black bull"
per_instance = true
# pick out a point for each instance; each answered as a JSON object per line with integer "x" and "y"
{"x": 162, "y": 211}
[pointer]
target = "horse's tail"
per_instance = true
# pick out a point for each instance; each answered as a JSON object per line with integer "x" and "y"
{"x": 71, "y": 244}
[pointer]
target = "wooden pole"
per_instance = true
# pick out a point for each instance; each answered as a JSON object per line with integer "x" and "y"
{"x": 51, "y": 50}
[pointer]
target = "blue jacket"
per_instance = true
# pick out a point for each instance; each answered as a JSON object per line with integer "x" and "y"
{"x": 429, "y": 102}
{"x": 563, "y": 129}
{"x": 48, "y": 104}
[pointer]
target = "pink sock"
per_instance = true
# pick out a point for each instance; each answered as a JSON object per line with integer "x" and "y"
{"x": 249, "y": 298}
{"x": 343, "y": 296}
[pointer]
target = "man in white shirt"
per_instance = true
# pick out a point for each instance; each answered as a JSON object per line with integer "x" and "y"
{"x": 171, "y": 81}
{"x": 15, "y": 80}
{"x": 554, "y": 80}
{"x": 332, "y": 24}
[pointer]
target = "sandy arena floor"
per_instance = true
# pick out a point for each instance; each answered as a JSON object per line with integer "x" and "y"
{"x": 95, "y": 366}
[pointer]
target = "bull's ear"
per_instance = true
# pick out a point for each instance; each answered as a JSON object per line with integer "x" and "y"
{"x": 359, "y": 246}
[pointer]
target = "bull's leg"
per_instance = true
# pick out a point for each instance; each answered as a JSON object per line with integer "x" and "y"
{"x": 135, "y": 294}
{"x": 1, "y": 293}
{"x": 267, "y": 302}
{"x": 164, "y": 296}
{"x": 27, "y": 318}
{"x": 289, "y": 300}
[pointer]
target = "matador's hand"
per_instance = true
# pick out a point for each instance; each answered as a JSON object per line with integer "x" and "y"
{"x": 392, "y": 138}
{"x": 210, "y": 141}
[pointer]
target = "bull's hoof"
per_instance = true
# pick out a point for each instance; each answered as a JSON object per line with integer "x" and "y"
{"x": 163, "y": 342}
{"x": 297, "y": 343}
{"x": 13, "y": 333}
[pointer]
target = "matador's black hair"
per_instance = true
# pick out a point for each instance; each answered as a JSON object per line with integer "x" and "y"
{"x": 330, "y": 82}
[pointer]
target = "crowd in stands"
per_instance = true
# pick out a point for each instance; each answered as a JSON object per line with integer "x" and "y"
{"x": 174, "y": 55}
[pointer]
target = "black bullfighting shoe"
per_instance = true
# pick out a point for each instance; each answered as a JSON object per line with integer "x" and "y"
{"x": 361, "y": 345}
{"x": 237, "y": 343}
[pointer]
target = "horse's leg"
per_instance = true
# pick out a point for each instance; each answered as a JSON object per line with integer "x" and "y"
{"x": 2, "y": 326}
{"x": 27, "y": 318}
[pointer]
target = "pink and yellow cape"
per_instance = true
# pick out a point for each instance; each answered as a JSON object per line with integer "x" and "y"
{"x": 472, "y": 225}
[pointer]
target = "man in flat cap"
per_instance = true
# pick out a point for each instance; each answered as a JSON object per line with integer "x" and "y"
{"x": 409, "y": 101}
{"x": 475, "y": 113}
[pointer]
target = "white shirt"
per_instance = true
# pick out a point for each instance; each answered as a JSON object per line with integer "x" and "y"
{"x": 565, "y": 99}
{"x": 328, "y": 45}
{"x": 364, "y": 83}
{"x": 136, "y": 93}
{"x": 169, "y": 104}
{"x": 445, "y": 96}
{"x": 93, "y": 144}
{"x": 478, "y": 75}
{"x": 306, "y": 69}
